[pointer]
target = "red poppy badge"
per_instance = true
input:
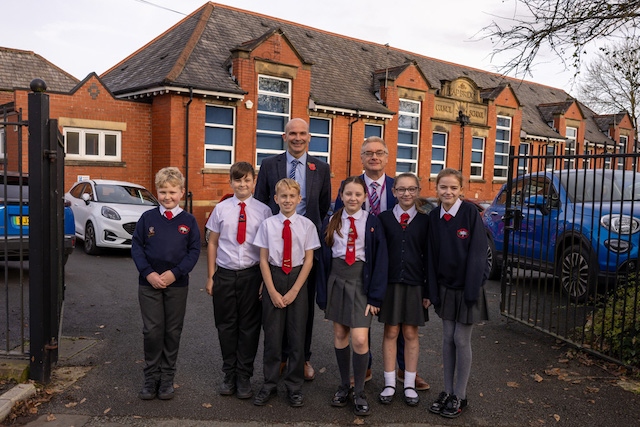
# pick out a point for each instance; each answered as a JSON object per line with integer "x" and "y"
{"x": 312, "y": 166}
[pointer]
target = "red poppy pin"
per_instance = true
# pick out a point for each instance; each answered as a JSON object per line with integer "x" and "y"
{"x": 312, "y": 166}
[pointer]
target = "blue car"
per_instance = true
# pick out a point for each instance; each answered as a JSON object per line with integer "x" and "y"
{"x": 14, "y": 219}
{"x": 582, "y": 226}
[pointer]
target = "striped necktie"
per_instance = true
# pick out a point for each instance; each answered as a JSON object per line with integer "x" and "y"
{"x": 294, "y": 166}
{"x": 374, "y": 199}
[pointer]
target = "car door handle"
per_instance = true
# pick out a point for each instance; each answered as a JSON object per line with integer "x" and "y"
{"x": 494, "y": 213}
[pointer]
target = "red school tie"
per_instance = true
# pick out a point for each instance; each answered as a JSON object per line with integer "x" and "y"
{"x": 350, "y": 256}
{"x": 404, "y": 220}
{"x": 447, "y": 216}
{"x": 286, "y": 252}
{"x": 168, "y": 214}
{"x": 242, "y": 224}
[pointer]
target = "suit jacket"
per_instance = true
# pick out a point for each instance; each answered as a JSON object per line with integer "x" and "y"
{"x": 391, "y": 200}
{"x": 318, "y": 185}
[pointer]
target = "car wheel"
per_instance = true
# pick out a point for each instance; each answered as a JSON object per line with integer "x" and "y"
{"x": 90, "y": 246}
{"x": 492, "y": 260}
{"x": 577, "y": 273}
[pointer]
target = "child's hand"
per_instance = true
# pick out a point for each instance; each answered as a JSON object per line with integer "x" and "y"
{"x": 290, "y": 296}
{"x": 168, "y": 277}
{"x": 277, "y": 299}
{"x": 426, "y": 303}
{"x": 209, "y": 286}
{"x": 371, "y": 309}
{"x": 156, "y": 280}
{"x": 260, "y": 291}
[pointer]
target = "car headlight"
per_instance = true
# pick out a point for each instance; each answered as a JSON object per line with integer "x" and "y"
{"x": 621, "y": 224}
{"x": 110, "y": 213}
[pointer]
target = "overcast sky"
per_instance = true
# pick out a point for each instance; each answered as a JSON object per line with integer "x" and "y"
{"x": 82, "y": 36}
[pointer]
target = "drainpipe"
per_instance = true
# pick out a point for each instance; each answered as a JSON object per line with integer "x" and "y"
{"x": 351, "y": 142}
{"x": 189, "y": 198}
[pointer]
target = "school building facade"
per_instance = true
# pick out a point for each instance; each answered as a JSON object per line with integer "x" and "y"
{"x": 219, "y": 86}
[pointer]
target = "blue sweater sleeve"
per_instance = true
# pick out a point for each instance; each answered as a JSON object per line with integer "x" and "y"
{"x": 190, "y": 259}
{"x": 376, "y": 269}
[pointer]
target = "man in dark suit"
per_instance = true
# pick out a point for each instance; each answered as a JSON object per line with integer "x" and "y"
{"x": 314, "y": 177}
{"x": 375, "y": 156}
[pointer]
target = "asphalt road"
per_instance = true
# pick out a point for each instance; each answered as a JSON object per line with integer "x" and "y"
{"x": 520, "y": 377}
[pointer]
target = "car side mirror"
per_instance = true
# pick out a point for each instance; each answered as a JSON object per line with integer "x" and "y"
{"x": 87, "y": 198}
{"x": 539, "y": 202}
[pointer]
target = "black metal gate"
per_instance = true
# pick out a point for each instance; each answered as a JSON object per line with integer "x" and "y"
{"x": 566, "y": 234}
{"x": 33, "y": 232}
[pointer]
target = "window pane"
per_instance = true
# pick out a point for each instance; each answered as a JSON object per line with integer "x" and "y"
{"x": 476, "y": 171}
{"x": 273, "y": 85}
{"x": 501, "y": 161}
{"x": 408, "y": 122}
{"x": 408, "y": 138}
{"x": 372, "y": 130}
{"x": 439, "y": 139}
{"x": 273, "y": 123}
{"x": 110, "y": 145}
{"x": 406, "y": 153}
{"x": 435, "y": 168}
{"x": 503, "y": 135}
{"x": 405, "y": 167}
{"x": 502, "y": 147}
{"x": 270, "y": 142}
{"x": 218, "y": 136}
{"x": 73, "y": 143}
{"x": 504, "y": 122}
{"x": 219, "y": 115}
{"x": 319, "y": 126}
{"x": 91, "y": 144}
{"x": 261, "y": 157}
{"x": 218, "y": 156}
{"x": 437, "y": 154}
{"x": 476, "y": 157}
{"x": 477, "y": 143}
{"x": 409, "y": 107}
{"x": 273, "y": 104}
{"x": 319, "y": 143}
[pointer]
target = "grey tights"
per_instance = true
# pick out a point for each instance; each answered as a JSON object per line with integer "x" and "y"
{"x": 456, "y": 356}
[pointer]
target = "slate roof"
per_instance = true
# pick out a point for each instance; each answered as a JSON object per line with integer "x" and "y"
{"x": 345, "y": 71}
{"x": 19, "y": 67}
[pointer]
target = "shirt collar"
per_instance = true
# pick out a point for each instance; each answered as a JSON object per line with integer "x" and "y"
{"x": 355, "y": 216}
{"x": 302, "y": 159}
{"x": 397, "y": 210}
{"x": 380, "y": 180}
{"x": 282, "y": 218}
{"x": 454, "y": 209}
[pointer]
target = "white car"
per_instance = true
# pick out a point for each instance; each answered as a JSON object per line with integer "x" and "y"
{"x": 106, "y": 212}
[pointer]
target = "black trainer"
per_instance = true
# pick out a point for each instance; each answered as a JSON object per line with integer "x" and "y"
{"x": 453, "y": 407}
{"x": 437, "y": 406}
{"x": 149, "y": 389}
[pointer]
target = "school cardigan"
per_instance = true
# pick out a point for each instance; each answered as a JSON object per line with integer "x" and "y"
{"x": 160, "y": 244}
{"x": 374, "y": 273}
{"x": 457, "y": 253}
{"x": 407, "y": 249}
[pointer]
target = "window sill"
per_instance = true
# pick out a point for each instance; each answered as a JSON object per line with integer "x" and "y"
{"x": 104, "y": 163}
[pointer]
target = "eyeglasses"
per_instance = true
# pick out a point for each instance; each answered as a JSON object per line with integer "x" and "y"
{"x": 379, "y": 153}
{"x": 410, "y": 190}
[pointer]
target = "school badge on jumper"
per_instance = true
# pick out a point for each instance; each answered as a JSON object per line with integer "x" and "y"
{"x": 463, "y": 233}
{"x": 183, "y": 229}
{"x": 152, "y": 232}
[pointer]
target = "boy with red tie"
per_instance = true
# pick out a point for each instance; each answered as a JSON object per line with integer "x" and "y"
{"x": 287, "y": 241}
{"x": 165, "y": 248}
{"x": 234, "y": 279}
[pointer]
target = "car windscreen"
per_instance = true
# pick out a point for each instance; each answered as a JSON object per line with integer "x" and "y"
{"x": 590, "y": 186}
{"x": 110, "y": 193}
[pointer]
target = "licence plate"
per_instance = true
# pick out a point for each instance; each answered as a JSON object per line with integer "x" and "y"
{"x": 21, "y": 221}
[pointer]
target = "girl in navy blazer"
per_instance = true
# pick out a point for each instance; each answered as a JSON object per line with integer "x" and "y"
{"x": 351, "y": 284}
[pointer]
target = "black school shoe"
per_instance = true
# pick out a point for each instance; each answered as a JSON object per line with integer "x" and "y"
{"x": 360, "y": 404}
{"x": 263, "y": 396}
{"x": 228, "y": 386}
{"x": 439, "y": 404}
{"x": 166, "y": 390}
{"x": 341, "y": 397}
{"x": 243, "y": 388}
{"x": 453, "y": 407}
{"x": 149, "y": 389}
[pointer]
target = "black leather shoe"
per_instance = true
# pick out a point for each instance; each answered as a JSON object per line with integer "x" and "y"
{"x": 228, "y": 386}
{"x": 296, "y": 398}
{"x": 453, "y": 407}
{"x": 437, "y": 406}
{"x": 166, "y": 391}
{"x": 386, "y": 400}
{"x": 263, "y": 396}
{"x": 243, "y": 388}
{"x": 360, "y": 405}
{"x": 411, "y": 401}
{"x": 149, "y": 390}
{"x": 341, "y": 397}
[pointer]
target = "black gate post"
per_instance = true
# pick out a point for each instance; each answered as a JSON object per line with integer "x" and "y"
{"x": 43, "y": 253}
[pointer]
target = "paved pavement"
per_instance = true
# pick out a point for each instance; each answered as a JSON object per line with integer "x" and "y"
{"x": 520, "y": 377}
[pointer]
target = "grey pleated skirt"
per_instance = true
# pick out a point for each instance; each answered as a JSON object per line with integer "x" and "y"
{"x": 403, "y": 304}
{"x": 453, "y": 307}
{"x": 346, "y": 300}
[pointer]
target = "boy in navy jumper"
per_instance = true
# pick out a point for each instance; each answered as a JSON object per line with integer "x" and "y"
{"x": 165, "y": 248}
{"x": 234, "y": 279}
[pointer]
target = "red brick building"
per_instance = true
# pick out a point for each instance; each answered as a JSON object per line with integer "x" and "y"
{"x": 219, "y": 86}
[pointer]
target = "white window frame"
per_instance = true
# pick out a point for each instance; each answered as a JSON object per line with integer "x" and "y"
{"x": 3, "y": 139}
{"x": 413, "y": 161}
{"x": 475, "y": 164}
{"x": 82, "y": 133}
{"x": 286, "y": 115}
{"x": 523, "y": 151}
{"x": 434, "y": 147}
{"x": 373, "y": 125}
{"x": 570, "y": 146}
{"x": 324, "y": 155}
{"x": 622, "y": 149}
{"x": 215, "y": 147}
{"x": 502, "y": 154}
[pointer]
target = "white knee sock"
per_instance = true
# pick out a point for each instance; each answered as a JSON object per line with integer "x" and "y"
{"x": 410, "y": 381}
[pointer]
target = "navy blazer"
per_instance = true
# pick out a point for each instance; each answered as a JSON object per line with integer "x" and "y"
{"x": 318, "y": 185}
{"x": 374, "y": 273}
{"x": 391, "y": 199}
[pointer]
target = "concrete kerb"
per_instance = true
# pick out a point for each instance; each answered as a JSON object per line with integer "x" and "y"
{"x": 18, "y": 393}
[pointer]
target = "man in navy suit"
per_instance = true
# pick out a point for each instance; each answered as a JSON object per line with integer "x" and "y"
{"x": 314, "y": 177}
{"x": 375, "y": 156}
